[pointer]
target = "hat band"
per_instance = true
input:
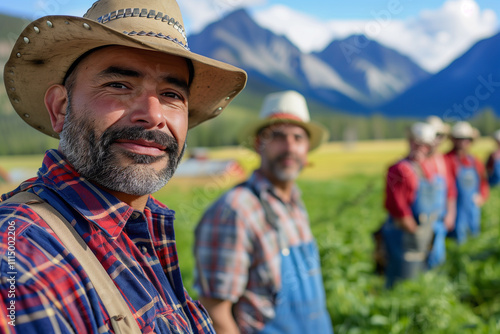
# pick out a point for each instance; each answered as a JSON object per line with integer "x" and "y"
{"x": 285, "y": 116}
{"x": 144, "y": 12}
{"x": 160, "y": 35}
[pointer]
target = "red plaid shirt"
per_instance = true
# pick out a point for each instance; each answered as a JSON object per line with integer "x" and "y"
{"x": 51, "y": 292}
{"x": 237, "y": 250}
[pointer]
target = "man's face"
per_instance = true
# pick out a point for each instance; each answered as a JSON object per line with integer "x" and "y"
{"x": 127, "y": 118}
{"x": 283, "y": 149}
{"x": 440, "y": 138}
{"x": 419, "y": 151}
{"x": 462, "y": 144}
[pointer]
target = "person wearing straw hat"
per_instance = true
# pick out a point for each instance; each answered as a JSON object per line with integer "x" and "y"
{"x": 469, "y": 175}
{"x": 412, "y": 202}
{"x": 120, "y": 88}
{"x": 258, "y": 268}
{"x": 447, "y": 194}
{"x": 493, "y": 162}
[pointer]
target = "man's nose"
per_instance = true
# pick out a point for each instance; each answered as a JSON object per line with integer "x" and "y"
{"x": 149, "y": 112}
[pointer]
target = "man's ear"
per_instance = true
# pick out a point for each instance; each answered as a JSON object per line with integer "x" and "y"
{"x": 56, "y": 102}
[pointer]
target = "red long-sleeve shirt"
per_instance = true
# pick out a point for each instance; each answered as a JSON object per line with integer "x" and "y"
{"x": 402, "y": 183}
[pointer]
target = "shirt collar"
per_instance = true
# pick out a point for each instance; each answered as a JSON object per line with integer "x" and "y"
{"x": 262, "y": 184}
{"x": 95, "y": 204}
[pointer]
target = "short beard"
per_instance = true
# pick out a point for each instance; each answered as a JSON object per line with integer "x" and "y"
{"x": 94, "y": 158}
{"x": 281, "y": 174}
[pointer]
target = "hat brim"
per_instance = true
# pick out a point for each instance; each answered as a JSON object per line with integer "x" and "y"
{"x": 318, "y": 134}
{"x": 45, "y": 51}
{"x": 475, "y": 135}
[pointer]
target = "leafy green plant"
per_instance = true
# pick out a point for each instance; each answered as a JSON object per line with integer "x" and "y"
{"x": 462, "y": 296}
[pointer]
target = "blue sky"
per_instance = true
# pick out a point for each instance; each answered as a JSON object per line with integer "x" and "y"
{"x": 362, "y": 9}
{"x": 431, "y": 32}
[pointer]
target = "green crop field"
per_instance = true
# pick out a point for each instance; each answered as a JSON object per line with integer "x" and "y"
{"x": 343, "y": 189}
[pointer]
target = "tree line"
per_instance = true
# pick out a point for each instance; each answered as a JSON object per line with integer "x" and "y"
{"x": 17, "y": 138}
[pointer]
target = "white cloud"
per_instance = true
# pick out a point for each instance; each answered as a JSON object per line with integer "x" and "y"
{"x": 433, "y": 39}
{"x": 436, "y": 38}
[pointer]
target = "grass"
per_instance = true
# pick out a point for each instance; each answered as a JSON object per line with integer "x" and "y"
{"x": 334, "y": 159}
{"x": 343, "y": 191}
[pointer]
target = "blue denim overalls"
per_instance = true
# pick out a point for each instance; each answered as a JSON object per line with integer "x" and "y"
{"x": 300, "y": 304}
{"x": 407, "y": 252}
{"x": 468, "y": 213}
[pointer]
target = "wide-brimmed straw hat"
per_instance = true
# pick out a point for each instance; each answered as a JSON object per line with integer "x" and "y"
{"x": 463, "y": 130}
{"x": 285, "y": 107}
{"x": 47, "y": 48}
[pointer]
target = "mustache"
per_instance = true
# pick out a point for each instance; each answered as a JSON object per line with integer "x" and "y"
{"x": 287, "y": 155}
{"x": 137, "y": 132}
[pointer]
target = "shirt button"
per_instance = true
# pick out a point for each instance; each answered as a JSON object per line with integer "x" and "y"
{"x": 285, "y": 251}
{"x": 144, "y": 250}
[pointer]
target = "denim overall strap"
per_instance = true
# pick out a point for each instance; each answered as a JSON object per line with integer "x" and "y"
{"x": 300, "y": 303}
{"x": 437, "y": 254}
{"x": 468, "y": 213}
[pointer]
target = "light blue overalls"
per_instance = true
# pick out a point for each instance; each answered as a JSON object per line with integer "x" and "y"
{"x": 437, "y": 254}
{"x": 468, "y": 213}
{"x": 300, "y": 304}
{"x": 407, "y": 252}
{"x": 494, "y": 177}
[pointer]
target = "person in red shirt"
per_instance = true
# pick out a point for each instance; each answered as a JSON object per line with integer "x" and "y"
{"x": 470, "y": 179}
{"x": 446, "y": 219}
{"x": 412, "y": 201}
{"x": 493, "y": 163}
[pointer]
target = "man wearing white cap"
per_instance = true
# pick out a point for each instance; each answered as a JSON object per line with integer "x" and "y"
{"x": 258, "y": 268}
{"x": 470, "y": 179}
{"x": 493, "y": 162}
{"x": 412, "y": 201}
{"x": 84, "y": 246}
{"x": 447, "y": 194}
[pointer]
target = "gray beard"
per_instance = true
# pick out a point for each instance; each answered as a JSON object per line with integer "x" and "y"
{"x": 281, "y": 174}
{"x": 93, "y": 157}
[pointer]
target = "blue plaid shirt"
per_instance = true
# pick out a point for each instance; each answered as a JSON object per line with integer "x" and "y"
{"x": 51, "y": 292}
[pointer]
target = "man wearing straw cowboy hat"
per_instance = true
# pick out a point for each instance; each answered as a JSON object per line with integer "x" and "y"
{"x": 470, "y": 179}
{"x": 85, "y": 248}
{"x": 258, "y": 267}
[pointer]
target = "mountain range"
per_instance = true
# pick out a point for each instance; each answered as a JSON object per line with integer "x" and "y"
{"x": 356, "y": 75}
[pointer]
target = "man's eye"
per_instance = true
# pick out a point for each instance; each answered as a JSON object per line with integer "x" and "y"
{"x": 299, "y": 138}
{"x": 277, "y": 135}
{"x": 117, "y": 85}
{"x": 172, "y": 95}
